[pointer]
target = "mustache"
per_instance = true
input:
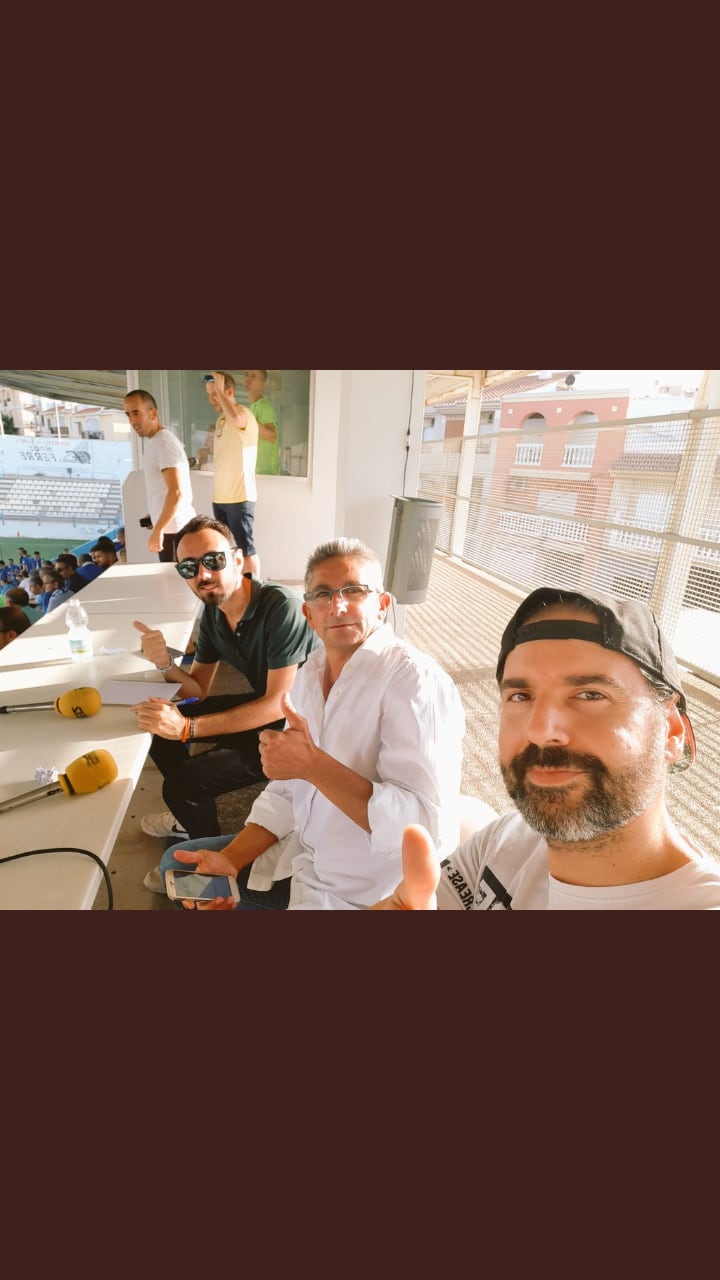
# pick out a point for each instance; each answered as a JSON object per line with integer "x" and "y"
{"x": 554, "y": 758}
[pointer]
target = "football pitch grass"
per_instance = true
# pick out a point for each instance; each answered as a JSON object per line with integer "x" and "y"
{"x": 49, "y": 548}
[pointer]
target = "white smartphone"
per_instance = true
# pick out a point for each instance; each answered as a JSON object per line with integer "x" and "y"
{"x": 195, "y": 887}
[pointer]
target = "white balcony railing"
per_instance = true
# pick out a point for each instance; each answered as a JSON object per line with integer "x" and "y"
{"x": 535, "y": 526}
{"x": 578, "y": 455}
{"x": 529, "y": 454}
{"x": 626, "y": 541}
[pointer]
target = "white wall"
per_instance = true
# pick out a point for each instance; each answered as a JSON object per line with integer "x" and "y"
{"x": 359, "y": 421}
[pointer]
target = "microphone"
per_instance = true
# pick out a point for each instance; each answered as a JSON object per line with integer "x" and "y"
{"x": 88, "y": 773}
{"x": 76, "y": 704}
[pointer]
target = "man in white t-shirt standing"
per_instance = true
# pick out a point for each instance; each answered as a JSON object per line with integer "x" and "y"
{"x": 167, "y": 474}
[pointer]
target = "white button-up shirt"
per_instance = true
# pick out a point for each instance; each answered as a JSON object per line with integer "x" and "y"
{"x": 396, "y": 718}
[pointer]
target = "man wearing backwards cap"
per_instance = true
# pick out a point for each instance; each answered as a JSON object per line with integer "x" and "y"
{"x": 593, "y": 717}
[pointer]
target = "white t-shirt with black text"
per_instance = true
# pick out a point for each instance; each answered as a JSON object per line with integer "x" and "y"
{"x": 504, "y": 867}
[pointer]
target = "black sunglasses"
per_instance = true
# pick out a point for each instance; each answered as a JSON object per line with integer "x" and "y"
{"x": 212, "y": 560}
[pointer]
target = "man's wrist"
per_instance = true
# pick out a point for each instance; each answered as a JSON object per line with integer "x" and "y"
{"x": 169, "y": 667}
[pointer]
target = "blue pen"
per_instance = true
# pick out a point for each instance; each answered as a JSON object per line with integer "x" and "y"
{"x": 186, "y": 702}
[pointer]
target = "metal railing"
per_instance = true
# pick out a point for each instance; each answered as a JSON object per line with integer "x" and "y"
{"x": 639, "y": 530}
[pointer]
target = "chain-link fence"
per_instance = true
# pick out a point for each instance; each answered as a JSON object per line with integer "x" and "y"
{"x": 632, "y": 508}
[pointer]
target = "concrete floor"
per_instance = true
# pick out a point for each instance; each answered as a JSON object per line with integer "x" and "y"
{"x": 135, "y": 853}
{"x": 460, "y": 624}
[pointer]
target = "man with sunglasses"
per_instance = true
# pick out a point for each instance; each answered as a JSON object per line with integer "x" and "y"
{"x": 257, "y": 627}
{"x": 372, "y": 742}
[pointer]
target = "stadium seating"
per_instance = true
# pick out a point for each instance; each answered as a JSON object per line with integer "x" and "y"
{"x": 47, "y": 498}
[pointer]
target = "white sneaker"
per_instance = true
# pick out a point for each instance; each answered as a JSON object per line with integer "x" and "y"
{"x": 153, "y": 881}
{"x": 162, "y": 825}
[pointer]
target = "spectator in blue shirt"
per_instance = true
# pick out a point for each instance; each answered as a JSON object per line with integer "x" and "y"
{"x": 35, "y": 589}
{"x": 103, "y": 557}
{"x": 27, "y": 561}
{"x": 9, "y": 572}
{"x": 88, "y": 568}
{"x": 55, "y": 592}
{"x": 104, "y": 554}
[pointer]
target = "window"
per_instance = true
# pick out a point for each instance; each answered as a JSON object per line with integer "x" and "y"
{"x": 184, "y": 406}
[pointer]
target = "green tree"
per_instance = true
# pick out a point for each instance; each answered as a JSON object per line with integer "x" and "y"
{"x": 9, "y": 424}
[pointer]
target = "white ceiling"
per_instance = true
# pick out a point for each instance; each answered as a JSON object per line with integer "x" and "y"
{"x": 105, "y": 388}
{"x": 443, "y": 382}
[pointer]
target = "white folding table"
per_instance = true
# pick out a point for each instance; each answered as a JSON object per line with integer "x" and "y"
{"x": 36, "y": 667}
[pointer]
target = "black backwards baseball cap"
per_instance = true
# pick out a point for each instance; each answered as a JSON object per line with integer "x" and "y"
{"x": 627, "y": 626}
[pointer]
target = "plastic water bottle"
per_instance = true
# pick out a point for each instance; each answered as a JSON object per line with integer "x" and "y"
{"x": 76, "y": 621}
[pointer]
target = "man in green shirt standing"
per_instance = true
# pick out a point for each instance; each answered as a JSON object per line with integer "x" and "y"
{"x": 268, "y": 446}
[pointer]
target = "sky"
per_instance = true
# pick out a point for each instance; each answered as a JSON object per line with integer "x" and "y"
{"x": 639, "y": 381}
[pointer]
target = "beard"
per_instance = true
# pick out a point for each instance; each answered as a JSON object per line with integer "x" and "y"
{"x": 213, "y": 595}
{"x": 219, "y": 593}
{"x": 579, "y": 812}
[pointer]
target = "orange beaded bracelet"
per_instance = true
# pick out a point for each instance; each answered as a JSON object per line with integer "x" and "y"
{"x": 188, "y": 730}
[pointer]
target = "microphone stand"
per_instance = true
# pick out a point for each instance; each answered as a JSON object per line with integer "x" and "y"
{"x": 28, "y": 706}
{"x": 27, "y": 797}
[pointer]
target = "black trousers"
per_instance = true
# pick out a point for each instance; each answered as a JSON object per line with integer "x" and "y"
{"x": 191, "y": 782}
{"x": 167, "y": 552}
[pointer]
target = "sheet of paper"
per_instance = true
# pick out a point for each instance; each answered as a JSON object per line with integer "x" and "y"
{"x": 125, "y": 693}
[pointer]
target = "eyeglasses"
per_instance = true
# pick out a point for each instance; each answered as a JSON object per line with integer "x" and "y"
{"x": 353, "y": 591}
{"x": 212, "y": 560}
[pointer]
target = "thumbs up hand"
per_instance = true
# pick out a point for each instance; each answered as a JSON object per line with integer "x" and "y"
{"x": 289, "y": 753}
{"x": 153, "y": 645}
{"x": 295, "y": 721}
{"x": 421, "y": 873}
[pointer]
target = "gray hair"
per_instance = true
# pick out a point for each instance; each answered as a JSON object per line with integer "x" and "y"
{"x": 352, "y": 548}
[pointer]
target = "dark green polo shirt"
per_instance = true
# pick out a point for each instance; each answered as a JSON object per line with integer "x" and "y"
{"x": 272, "y": 633}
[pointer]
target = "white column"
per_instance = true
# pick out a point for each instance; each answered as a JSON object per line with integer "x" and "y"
{"x": 467, "y": 462}
{"x": 694, "y": 485}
